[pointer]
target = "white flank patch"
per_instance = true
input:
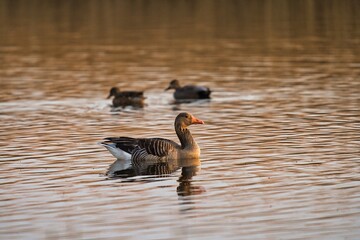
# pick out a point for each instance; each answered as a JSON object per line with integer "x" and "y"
{"x": 117, "y": 152}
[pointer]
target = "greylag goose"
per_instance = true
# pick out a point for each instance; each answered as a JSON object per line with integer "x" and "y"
{"x": 126, "y": 98}
{"x": 188, "y": 92}
{"x": 145, "y": 152}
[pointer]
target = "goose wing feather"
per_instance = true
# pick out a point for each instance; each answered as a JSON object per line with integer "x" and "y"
{"x": 126, "y": 144}
{"x": 158, "y": 147}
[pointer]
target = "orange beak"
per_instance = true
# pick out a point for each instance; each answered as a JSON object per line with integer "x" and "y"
{"x": 194, "y": 120}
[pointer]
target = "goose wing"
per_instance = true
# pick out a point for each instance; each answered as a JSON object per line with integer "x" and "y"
{"x": 126, "y": 144}
{"x": 158, "y": 147}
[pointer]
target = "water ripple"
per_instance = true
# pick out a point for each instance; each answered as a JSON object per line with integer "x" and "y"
{"x": 280, "y": 150}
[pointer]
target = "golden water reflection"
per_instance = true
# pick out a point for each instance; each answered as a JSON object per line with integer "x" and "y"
{"x": 279, "y": 150}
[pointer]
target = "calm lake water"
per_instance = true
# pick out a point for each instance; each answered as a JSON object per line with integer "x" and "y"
{"x": 280, "y": 150}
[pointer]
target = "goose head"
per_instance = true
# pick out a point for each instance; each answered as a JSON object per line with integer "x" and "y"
{"x": 174, "y": 84}
{"x": 184, "y": 119}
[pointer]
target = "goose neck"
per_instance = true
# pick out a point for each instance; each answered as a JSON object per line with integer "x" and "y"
{"x": 185, "y": 137}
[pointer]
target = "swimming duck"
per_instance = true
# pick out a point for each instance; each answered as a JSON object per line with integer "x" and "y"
{"x": 126, "y": 98}
{"x": 188, "y": 92}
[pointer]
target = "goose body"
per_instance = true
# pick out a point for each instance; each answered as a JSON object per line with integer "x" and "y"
{"x": 126, "y": 98}
{"x": 188, "y": 92}
{"x": 144, "y": 152}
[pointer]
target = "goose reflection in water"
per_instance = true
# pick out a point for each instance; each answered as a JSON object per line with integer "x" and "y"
{"x": 186, "y": 188}
{"x": 189, "y": 168}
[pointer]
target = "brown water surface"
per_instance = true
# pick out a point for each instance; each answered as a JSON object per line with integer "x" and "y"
{"x": 280, "y": 150}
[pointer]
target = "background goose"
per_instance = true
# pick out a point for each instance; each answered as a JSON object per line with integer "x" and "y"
{"x": 189, "y": 91}
{"x": 126, "y": 98}
{"x": 144, "y": 152}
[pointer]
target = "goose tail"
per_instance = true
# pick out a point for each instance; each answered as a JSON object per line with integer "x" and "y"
{"x": 115, "y": 151}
